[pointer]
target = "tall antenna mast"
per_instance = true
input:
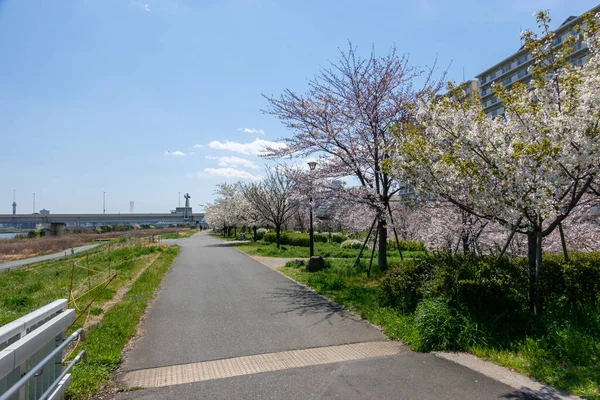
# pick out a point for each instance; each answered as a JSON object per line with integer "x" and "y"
{"x": 520, "y": 38}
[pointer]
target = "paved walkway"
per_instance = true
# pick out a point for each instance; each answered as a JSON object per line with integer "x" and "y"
{"x": 224, "y": 326}
{"x": 31, "y": 260}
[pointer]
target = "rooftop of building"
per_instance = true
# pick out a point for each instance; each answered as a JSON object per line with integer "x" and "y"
{"x": 566, "y": 25}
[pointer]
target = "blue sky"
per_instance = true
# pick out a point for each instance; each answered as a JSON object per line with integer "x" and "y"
{"x": 145, "y": 99}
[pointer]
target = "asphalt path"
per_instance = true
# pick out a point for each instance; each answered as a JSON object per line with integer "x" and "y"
{"x": 31, "y": 260}
{"x": 216, "y": 303}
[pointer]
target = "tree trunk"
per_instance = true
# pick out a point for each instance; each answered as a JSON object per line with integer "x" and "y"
{"x": 235, "y": 231}
{"x": 465, "y": 243}
{"x": 534, "y": 258}
{"x": 382, "y": 256}
{"x": 564, "y": 242}
{"x": 531, "y": 261}
{"x": 372, "y": 254}
{"x": 538, "y": 268}
{"x": 277, "y": 235}
{"x": 254, "y": 231}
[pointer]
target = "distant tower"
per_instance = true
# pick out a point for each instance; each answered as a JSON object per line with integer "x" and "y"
{"x": 131, "y": 207}
{"x": 14, "y": 204}
{"x": 187, "y": 206}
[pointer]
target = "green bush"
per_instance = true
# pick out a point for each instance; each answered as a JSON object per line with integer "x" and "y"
{"x": 406, "y": 245}
{"x": 294, "y": 238}
{"x": 576, "y": 282}
{"x": 351, "y": 244}
{"x": 260, "y": 232}
{"x": 337, "y": 237}
{"x": 402, "y": 286}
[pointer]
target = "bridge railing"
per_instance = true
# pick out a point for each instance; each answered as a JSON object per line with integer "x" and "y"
{"x": 31, "y": 352}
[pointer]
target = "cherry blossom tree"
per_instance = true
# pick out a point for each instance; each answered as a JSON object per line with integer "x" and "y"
{"x": 271, "y": 197}
{"x": 526, "y": 170}
{"x": 344, "y": 121}
{"x": 226, "y": 210}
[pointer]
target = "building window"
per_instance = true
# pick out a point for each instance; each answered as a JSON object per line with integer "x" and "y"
{"x": 493, "y": 100}
{"x": 557, "y": 40}
{"x": 493, "y": 75}
{"x": 522, "y": 59}
{"x": 507, "y": 81}
{"x": 522, "y": 73}
{"x": 578, "y": 62}
{"x": 506, "y": 68}
{"x": 578, "y": 45}
{"x": 483, "y": 92}
{"x": 483, "y": 80}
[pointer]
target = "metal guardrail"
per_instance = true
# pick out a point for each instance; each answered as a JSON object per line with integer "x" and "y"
{"x": 31, "y": 351}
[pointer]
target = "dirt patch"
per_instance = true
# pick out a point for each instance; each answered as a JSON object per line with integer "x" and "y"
{"x": 16, "y": 249}
{"x": 275, "y": 262}
{"x": 94, "y": 319}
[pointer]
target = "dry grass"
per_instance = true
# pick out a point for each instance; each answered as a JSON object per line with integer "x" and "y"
{"x": 16, "y": 249}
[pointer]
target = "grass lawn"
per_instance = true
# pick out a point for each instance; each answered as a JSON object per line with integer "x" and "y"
{"x": 105, "y": 341}
{"x": 138, "y": 266}
{"x": 327, "y": 250}
{"x": 180, "y": 234}
{"x": 533, "y": 356}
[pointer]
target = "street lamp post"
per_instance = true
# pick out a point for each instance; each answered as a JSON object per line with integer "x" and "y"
{"x": 312, "y": 165}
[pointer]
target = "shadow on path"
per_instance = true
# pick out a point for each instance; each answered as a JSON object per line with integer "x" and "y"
{"x": 545, "y": 393}
{"x": 299, "y": 300}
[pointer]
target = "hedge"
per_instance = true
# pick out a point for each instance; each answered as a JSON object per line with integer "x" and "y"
{"x": 294, "y": 239}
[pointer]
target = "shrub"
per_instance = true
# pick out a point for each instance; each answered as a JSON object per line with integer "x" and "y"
{"x": 351, "y": 244}
{"x": 260, "y": 232}
{"x": 402, "y": 285}
{"x": 406, "y": 245}
{"x": 319, "y": 237}
{"x": 294, "y": 238}
{"x": 573, "y": 282}
{"x": 338, "y": 237}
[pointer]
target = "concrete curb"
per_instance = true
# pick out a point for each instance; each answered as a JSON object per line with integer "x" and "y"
{"x": 508, "y": 377}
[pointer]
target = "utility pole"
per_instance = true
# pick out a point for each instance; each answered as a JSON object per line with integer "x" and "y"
{"x": 103, "y": 202}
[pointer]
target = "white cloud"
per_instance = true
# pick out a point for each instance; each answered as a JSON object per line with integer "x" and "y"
{"x": 230, "y": 173}
{"x": 252, "y": 130}
{"x": 198, "y": 146}
{"x": 176, "y": 153}
{"x": 255, "y": 148}
{"x": 192, "y": 153}
{"x": 233, "y": 161}
{"x": 145, "y": 6}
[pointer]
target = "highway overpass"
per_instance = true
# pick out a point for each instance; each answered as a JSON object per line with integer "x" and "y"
{"x": 97, "y": 219}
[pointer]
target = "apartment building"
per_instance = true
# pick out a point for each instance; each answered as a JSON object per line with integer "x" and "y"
{"x": 515, "y": 68}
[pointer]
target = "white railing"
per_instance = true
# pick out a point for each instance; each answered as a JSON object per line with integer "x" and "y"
{"x": 31, "y": 351}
